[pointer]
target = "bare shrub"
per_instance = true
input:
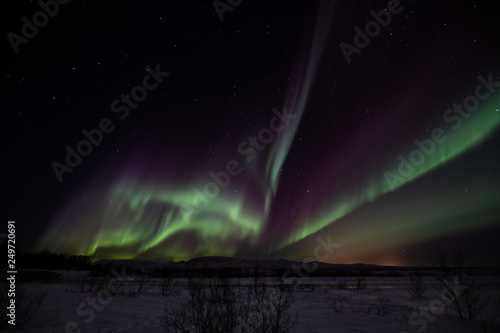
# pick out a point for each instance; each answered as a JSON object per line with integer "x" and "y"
{"x": 383, "y": 304}
{"x": 258, "y": 290}
{"x": 89, "y": 283}
{"x": 95, "y": 283}
{"x": 209, "y": 306}
{"x": 117, "y": 289}
{"x": 216, "y": 306}
{"x": 360, "y": 284}
{"x": 224, "y": 304}
{"x": 417, "y": 288}
{"x": 188, "y": 316}
{"x": 139, "y": 286}
{"x": 278, "y": 305}
{"x": 341, "y": 284}
{"x": 339, "y": 300}
{"x": 167, "y": 285}
{"x": 271, "y": 314}
{"x": 283, "y": 284}
{"x": 458, "y": 283}
{"x": 28, "y": 303}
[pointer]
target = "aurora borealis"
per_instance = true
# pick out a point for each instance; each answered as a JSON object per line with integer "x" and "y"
{"x": 263, "y": 137}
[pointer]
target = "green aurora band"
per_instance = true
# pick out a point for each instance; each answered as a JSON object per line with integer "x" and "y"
{"x": 136, "y": 219}
{"x": 132, "y": 218}
{"x": 482, "y": 123}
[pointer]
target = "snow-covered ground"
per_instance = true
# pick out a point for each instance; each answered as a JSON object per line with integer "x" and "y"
{"x": 384, "y": 306}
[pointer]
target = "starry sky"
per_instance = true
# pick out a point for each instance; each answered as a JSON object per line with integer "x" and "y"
{"x": 259, "y": 130}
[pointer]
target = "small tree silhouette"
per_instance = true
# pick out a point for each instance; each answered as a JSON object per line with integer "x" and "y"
{"x": 416, "y": 287}
{"x": 458, "y": 282}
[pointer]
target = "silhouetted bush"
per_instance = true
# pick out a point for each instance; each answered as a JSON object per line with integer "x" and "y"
{"x": 458, "y": 282}
{"x": 27, "y": 304}
{"x": 215, "y": 305}
{"x": 416, "y": 287}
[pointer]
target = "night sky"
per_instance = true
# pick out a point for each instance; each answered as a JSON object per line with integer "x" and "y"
{"x": 255, "y": 135}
